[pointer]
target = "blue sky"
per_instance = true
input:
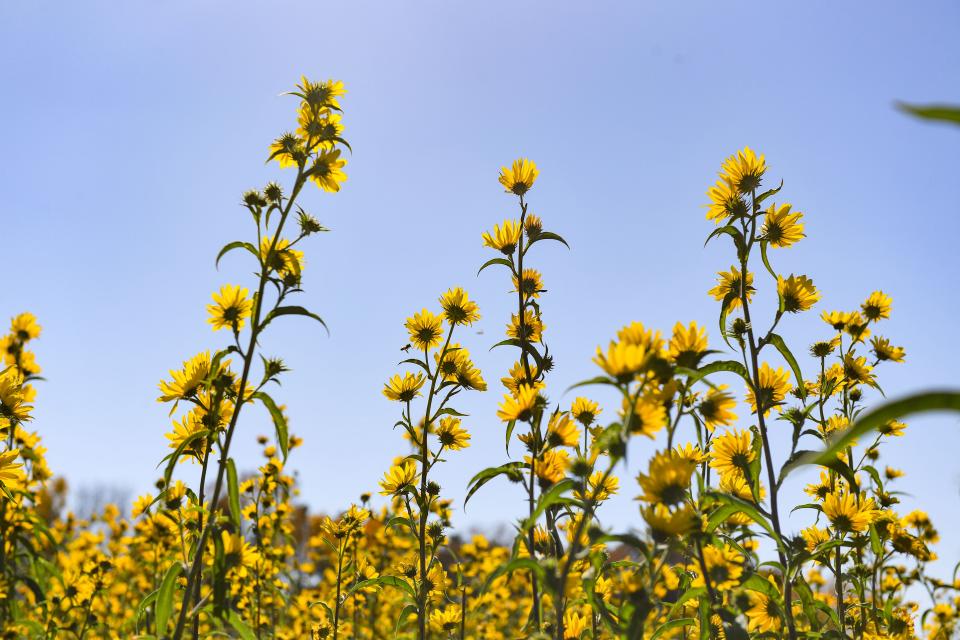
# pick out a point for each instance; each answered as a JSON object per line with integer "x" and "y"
{"x": 131, "y": 130}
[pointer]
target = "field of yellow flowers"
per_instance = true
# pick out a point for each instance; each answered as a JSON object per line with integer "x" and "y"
{"x": 235, "y": 556}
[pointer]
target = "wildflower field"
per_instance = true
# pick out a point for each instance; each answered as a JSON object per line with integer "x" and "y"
{"x": 231, "y": 552}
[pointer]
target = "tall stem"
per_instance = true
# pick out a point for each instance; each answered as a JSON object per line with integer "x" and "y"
{"x": 768, "y": 456}
{"x": 255, "y": 328}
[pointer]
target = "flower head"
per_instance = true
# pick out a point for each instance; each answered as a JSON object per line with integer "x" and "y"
{"x": 781, "y": 228}
{"x": 519, "y": 177}
{"x": 230, "y": 309}
{"x": 425, "y": 329}
{"x": 504, "y": 238}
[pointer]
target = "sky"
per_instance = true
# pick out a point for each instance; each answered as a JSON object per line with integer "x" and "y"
{"x": 131, "y": 130}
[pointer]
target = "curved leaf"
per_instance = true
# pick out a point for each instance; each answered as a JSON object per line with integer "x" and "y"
{"x": 487, "y": 475}
{"x": 238, "y": 244}
{"x": 292, "y": 310}
{"x": 279, "y": 421}
{"x": 233, "y": 493}
{"x": 164, "y": 605}
{"x": 784, "y": 350}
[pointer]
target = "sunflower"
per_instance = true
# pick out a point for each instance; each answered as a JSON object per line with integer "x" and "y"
{"x": 724, "y": 567}
{"x": 647, "y": 418}
{"x": 725, "y": 201}
{"x": 667, "y": 480}
{"x": 321, "y": 129}
{"x": 451, "y": 435}
{"x": 729, "y": 283}
{"x": 532, "y": 329}
{"x": 404, "y": 389}
{"x": 877, "y": 306}
{"x": 446, "y": 620}
{"x": 764, "y": 614}
{"x": 327, "y": 170}
{"x": 774, "y": 387}
{"x": 530, "y": 284}
{"x": 782, "y": 228}
{"x": 519, "y": 178}
{"x": 458, "y": 308}
{"x": 519, "y": 406}
{"x": 25, "y": 327}
{"x": 635, "y": 333}
{"x": 574, "y": 625}
{"x": 10, "y": 470}
{"x": 13, "y": 405}
{"x": 518, "y": 376}
{"x": 856, "y": 370}
{"x": 183, "y": 431}
{"x": 562, "y": 431}
{"x": 836, "y": 319}
{"x": 425, "y": 329}
{"x": 797, "y": 293}
{"x": 597, "y": 491}
{"x": 288, "y": 150}
{"x": 716, "y": 408}
{"x": 504, "y": 238}
{"x": 284, "y": 261}
{"x": 665, "y": 523}
{"x": 688, "y": 345}
{"x": 552, "y": 465}
{"x": 230, "y": 309}
{"x": 744, "y": 170}
{"x": 883, "y": 350}
{"x": 622, "y": 360}
{"x": 398, "y": 478}
{"x": 732, "y": 452}
{"x": 584, "y": 410}
{"x": 848, "y": 514}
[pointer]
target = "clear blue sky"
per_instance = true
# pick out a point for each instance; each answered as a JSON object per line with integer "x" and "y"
{"x": 130, "y": 129}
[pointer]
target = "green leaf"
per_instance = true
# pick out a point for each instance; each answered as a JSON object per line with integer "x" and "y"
{"x": 233, "y": 493}
{"x": 292, "y": 310}
{"x": 784, "y": 350}
{"x": 734, "y": 504}
{"x": 164, "y": 606}
{"x": 237, "y": 245}
{"x": 515, "y": 565}
{"x": 175, "y": 456}
{"x": 279, "y": 421}
{"x": 592, "y": 381}
{"x": 731, "y": 366}
{"x": 731, "y": 231}
{"x": 766, "y": 260}
{"x": 689, "y": 594}
{"x": 724, "y": 310}
{"x": 758, "y": 583}
{"x": 769, "y": 192}
{"x": 937, "y": 112}
{"x": 487, "y": 475}
{"x": 493, "y": 261}
{"x": 551, "y": 496}
{"x": 924, "y": 402}
{"x": 146, "y": 602}
{"x": 235, "y": 621}
{"x": 673, "y": 624}
{"x": 547, "y": 235}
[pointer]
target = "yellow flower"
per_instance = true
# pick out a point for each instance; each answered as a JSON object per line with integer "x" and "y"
{"x": 836, "y": 319}
{"x": 729, "y": 284}
{"x": 285, "y": 261}
{"x": 231, "y": 308}
{"x": 856, "y": 370}
{"x": 404, "y": 389}
{"x": 574, "y": 625}
{"x": 519, "y": 406}
{"x": 504, "y": 238}
{"x": 764, "y": 614}
{"x": 183, "y": 431}
{"x": 814, "y": 536}
{"x": 725, "y": 201}
{"x": 319, "y": 128}
{"x": 585, "y": 411}
{"x": 883, "y": 350}
{"x": 877, "y": 306}
{"x": 10, "y": 469}
{"x": 665, "y": 523}
{"x": 446, "y": 620}
{"x": 532, "y": 329}
{"x": 797, "y": 292}
{"x": 599, "y": 492}
{"x": 25, "y": 327}
{"x": 744, "y": 170}
{"x": 562, "y": 431}
{"x": 716, "y": 408}
{"x": 552, "y": 465}
{"x": 288, "y": 150}
{"x": 893, "y": 428}
{"x": 451, "y": 435}
{"x": 320, "y": 95}
{"x": 667, "y": 480}
{"x": 635, "y": 333}
{"x": 732, "y": 452}
{"x": 724, "y": 568}
{"x": 782, "y": 228}
{"x": 531, "y": 284}
{"x": 688, "y": 345}
{"x": 774, "y": 387}
{"x": 458, "y": 308}
{"x": 398, "y": 478}
{"x": 622, "y": 360}
{"x": 456, "y": 366}
{"x": 327, "y": 170}
{"x": 426, "y": 329}
{"x": 519, "y": 178}
{"x": 847, "y": 514}
{"x": 12, "y": 401}
{"x": 647, "y": 418}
